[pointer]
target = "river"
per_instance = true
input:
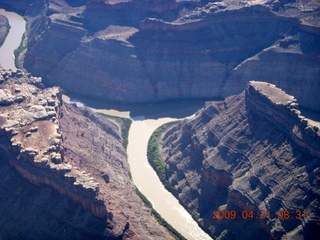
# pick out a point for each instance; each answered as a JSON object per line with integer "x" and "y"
{"x": 145, "y": 120}
{"x": 149, "y": 184}
{"x": 13, "y": 40}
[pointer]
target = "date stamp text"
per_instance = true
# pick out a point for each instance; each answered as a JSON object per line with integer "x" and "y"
{"x": 262, "y": 214}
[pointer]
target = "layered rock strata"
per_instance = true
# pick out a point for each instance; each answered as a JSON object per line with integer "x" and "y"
{"x": 252, "y": 152}
{"x": 29, "y": 120}
{"x": 175, "y": 49}
{"x": 67, "y": 153}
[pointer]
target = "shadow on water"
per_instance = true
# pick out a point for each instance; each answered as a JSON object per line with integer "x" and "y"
{"x": 173, "y": 109}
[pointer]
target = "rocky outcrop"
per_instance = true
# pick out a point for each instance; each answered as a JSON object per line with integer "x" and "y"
{"x": 282, "y": 109}
{"x": 29, "y": 114}
{"x": 61, "y": 151}
{"x": 254, "y": 152}
{"x": 175, "y": 49}
{"x": 157, "y": 6}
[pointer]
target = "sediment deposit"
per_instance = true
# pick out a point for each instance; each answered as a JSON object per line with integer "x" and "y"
{"x": 66, "y": 163}
{"x": 252, "y": 152}
{"x": 151, "y": 51}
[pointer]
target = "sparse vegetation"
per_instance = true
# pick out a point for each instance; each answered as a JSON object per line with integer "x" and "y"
{"x": 158, "y": 217}
{"x": 17, "y": 53}
{"x": 154, "y": 157}
{"x": 157, "y": 163}
{"x": 125, "y": 124}
{"x": 20, "y": 49}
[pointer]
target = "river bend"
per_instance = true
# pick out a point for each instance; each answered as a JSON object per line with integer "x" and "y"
{"x": 13, "y": 40}
{"x": 144, "y": 177}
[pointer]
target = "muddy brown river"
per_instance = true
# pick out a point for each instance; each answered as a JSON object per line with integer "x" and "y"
{"x": 145, "y": 120}
{"x": 12, "y": 42}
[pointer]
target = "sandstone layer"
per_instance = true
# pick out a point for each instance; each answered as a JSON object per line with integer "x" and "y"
{"x": 252, "y": 152}
{"x": 150, "y": 51}
{"x": 64, "y": 172}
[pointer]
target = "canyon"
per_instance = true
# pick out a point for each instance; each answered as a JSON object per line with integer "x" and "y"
{"x": 251, "y": 152}
{"x": 64, "y": 168}
{"x": 155, "y": 51}
{"x": 173, "y": 212}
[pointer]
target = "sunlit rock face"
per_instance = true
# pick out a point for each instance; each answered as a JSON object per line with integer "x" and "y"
{"x": 252, "y": 152}
{"x": 151, "y": 51}
{"x": 63, "y": 169}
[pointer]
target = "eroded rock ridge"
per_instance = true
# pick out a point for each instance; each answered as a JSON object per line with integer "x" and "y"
{"x": 252, "y": 152}
{"x": 29, "y": 120}
{"x": 73, "y": 160}
{"x": 174, "y": 49}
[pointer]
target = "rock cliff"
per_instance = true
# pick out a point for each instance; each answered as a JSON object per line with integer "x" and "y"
{"x": 174, "y": 49}
{"x": 67, "y": 163}
{"x": 252, "y": 152}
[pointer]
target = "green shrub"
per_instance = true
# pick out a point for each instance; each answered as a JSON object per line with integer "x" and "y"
{"x": 153, "y": 154}
{"x": 18, "y": 52}
{"x": 157, "y": 163}
{"x": 125, "y": 124}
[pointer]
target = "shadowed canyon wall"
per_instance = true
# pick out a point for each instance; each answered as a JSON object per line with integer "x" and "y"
{"x": 251, "y": 152}
{"x": 141, "y": 51}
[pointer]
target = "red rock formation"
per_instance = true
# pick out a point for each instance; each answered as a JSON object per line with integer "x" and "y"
{"x": 71, "y": 154}
{"x": 252, "y": 152}
{"x": 158, "y": 6}
{"x": 279, "y": 107}
{"x": 179, "y": 49}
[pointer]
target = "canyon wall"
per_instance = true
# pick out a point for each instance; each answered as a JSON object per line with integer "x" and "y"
{"x": 67, "y": 163}
{"x": 169, "y": 50}
{"x": 252, "y": 152}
